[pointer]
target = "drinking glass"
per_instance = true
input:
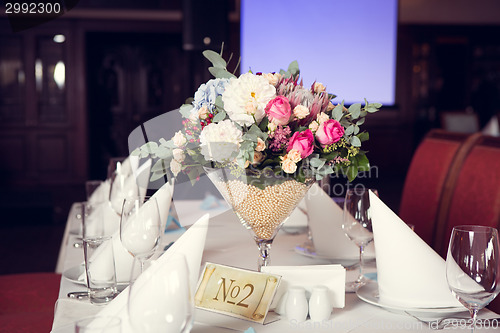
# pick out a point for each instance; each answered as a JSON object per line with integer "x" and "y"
{"x": 140, "y": 227}
{"x": 357, "y": 226}
{"x": 160, "y": 300}
{"x": 472, "y": 266}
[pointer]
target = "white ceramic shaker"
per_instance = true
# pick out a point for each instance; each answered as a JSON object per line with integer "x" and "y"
{"x": 320, "y": 306}
{"x": 296, "y": 306}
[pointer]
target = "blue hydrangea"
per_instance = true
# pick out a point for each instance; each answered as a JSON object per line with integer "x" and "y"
{"x": 208, "y": 92}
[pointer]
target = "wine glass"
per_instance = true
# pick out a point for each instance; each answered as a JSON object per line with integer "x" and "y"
{"x": 160, "y": 300}
{"x": 472, "y": 266}
{"x": 357, "y": 225}
{"x": 140, "y": 227}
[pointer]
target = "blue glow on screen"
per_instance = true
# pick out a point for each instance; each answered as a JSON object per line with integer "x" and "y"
{"x": 348, "y": 45}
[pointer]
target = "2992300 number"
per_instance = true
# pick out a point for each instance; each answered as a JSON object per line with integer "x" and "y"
{"x": 32, "y": 8}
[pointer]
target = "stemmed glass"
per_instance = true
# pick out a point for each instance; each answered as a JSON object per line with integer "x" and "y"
{"x": 472, "y": 266}
{"x": 122, "y": 187}
{"x": 160, "y": 300}
{"x": 357, "y": 226}
{"x": 140, "y": 227}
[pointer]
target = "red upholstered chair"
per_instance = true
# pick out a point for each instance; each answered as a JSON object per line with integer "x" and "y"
{"x": 475, "y": 196}
{"x": 27, "y": 302}
{"x": 427, "y": 178}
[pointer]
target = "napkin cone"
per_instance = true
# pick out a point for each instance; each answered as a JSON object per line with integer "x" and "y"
{"x": 190, "y": 244}
{"x": 325, "y": 224}
{"x": 410, "y": 273}
{"x": 123, "y": 259}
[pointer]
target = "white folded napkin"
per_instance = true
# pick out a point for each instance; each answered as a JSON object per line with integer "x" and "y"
{"x": 331, "y": 276}
{"x": 123, "y": 259}
{"x": 100, "y": 194}
{"x": 325, "y": 224}
{"x": 190, "y": 244}
{"x": 409, "y": 272}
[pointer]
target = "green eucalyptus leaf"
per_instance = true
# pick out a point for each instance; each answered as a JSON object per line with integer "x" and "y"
{"x": 220, "y": 73}
{"x": 317, "y": 162}
{"x": 355, "y": 110}
{"x": 185, "y": 110}
{"x": 219, "y": 103}
{"x": 156, "y": 176}
{"x": 356, "y": 129}
{"x": 215, "y": 58}
{"x": 364, "y": 136}
{"x": 159, "y": 166}
{"x": 349, "y": 130}
{"x": 220, "y": 116}
{"x": 293, "y": 68}
{"x": 136, "y": 152}
{"x": 338, "y": 112}
{"x": 355, "y": 141}
{"x": 361, "y": 121}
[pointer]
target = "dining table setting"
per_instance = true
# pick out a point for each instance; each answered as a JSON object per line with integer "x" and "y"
{"x": 404, "y": 287}
{"x": 265, "y": 247}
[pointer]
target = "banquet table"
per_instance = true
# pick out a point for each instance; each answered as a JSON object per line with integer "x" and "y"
{"x": 228, "y": 243}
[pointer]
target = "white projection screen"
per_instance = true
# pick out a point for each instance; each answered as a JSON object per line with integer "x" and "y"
{"x": 348, "y": 45}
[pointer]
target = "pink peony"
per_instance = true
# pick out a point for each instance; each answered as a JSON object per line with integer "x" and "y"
{"x": 278, "y": 110}
{"x": 329, "y": 132}
{"x": 303, "y": 142}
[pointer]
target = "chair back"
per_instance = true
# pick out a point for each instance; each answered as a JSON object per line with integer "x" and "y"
{"x": 426, "y": 179}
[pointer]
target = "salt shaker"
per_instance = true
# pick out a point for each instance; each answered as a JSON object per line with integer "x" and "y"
{"x": 320, "y": 306}
{"x": 296, "y": 306}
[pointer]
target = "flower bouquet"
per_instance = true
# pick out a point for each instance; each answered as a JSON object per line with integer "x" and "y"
{"x": 263, "y": 139}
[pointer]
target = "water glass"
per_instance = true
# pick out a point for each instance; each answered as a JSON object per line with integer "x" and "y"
{"x": 98, "y": 257}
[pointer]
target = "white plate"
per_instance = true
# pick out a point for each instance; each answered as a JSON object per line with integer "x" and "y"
{"x": 346, "y": 262}
{"x": 73, "y": 273}
{"x": 369, "y": 294}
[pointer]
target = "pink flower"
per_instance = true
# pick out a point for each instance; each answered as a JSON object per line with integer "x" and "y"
{"x": 329, "y": 132}
{"x": 303, "y": 142}
{"x": 278, "y": 110}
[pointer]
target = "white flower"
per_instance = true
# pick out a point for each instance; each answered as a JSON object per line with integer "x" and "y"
{"x": 272, "y": 78}
{"x": 220, "y": 142}
{"x": 178, "y": 155}
{"x": 261, "y": 145}
{"x": 313, "y": 126}
{"x": 179, "y": 139}
{"x": 301, "y": 111}
{"x": 322, "y": 117}
{"x": 288, "y": 165}
{"x": 203, "y": 112}
{"x": 294, "y": 155}
{"x": 175, "y": 167}
{"x": 248, "y": 88}
{"x": 319, "y": 87}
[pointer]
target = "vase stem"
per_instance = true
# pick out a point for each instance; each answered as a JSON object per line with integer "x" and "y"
{"x": 265, "y": 252}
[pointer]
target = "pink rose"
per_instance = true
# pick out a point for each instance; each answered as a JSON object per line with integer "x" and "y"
{"x": 303, "y": 142}
{"x": 278, "y": 110}
{"x": 329, "y": 132}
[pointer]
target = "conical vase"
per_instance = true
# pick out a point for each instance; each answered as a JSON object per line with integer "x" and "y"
{"x": 261, "y": 199}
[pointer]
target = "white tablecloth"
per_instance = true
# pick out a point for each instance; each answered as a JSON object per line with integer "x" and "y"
{"x": 228, "y": 243}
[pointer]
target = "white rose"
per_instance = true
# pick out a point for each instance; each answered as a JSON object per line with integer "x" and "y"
{"x": 261, "y": 145}
{"x": 294, "y": 155}
{"x": 288, "y": 165}
{"x": 203, "y": 112}
{"x": 220, "y": 141}
{"x": 179, "y": 139}
{"x": 319, "y": 87}
{"x": 322, "y": 117}
{"x": 272, "y": 78}
{"x": 301, "y": 111}
{"x": 175, "y": 167}
{"x": 179, "y": 155}
{"x": 313, "y": 126}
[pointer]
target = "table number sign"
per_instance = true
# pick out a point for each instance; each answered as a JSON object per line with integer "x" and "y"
{"x": 236, "y": 292}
